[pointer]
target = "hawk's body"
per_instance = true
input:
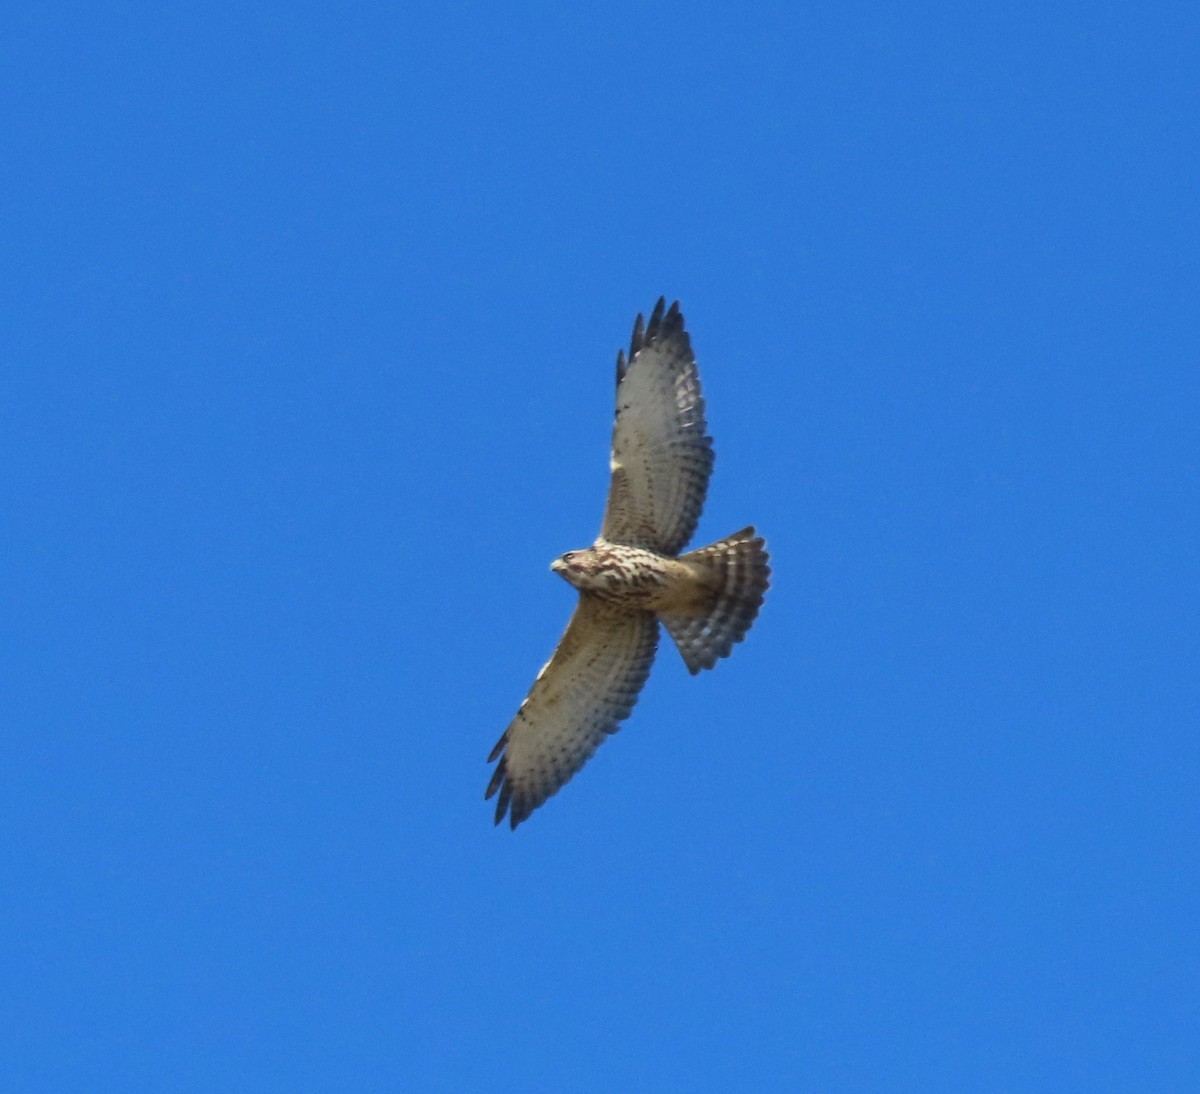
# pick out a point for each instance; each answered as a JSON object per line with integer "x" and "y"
{"x": 633, "y": 576}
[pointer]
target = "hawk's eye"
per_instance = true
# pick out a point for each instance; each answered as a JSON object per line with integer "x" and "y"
{"x": 568, "y": 556}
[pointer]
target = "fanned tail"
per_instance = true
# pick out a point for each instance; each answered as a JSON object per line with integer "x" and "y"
{"x": 737, "y": 570}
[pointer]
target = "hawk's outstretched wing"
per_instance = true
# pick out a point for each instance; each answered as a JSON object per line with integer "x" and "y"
{"x": 661, "y": 455}
{"x": 582, "y": 693}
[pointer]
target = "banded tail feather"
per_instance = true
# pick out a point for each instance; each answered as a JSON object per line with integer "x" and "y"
{"x": 737, "y": 571}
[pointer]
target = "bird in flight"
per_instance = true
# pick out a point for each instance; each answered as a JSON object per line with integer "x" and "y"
{"x": 634, "y": 577}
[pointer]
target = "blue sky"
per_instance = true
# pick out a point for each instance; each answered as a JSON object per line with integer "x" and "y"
{"x": 309, "y": 318}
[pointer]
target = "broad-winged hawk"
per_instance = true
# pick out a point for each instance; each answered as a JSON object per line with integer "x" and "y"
{"x": 633, "y": 576}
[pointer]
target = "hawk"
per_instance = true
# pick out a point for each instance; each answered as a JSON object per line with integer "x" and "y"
{"x": 634, "y": 577}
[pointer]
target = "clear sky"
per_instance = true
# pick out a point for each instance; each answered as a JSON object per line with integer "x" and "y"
{"x": 308, "y": 315}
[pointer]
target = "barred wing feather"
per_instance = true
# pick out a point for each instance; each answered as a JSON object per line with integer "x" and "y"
{"x": 661, "y": 453}
{"x": 586, "y": 689}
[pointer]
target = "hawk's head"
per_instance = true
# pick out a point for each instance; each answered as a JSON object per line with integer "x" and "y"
{"x": 589, "y": 570}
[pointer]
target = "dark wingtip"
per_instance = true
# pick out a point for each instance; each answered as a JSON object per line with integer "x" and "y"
{"x": 673, "y": 322}
{"x": 657, "y": 315}
{"x": 638, "y": 339}
{"x": 621, "y": 366}
{"x": 502, "y": 802}
{"x": 495, "y": 781}
{"x": 516, "y": 809}
{"x": 663, "y": 321}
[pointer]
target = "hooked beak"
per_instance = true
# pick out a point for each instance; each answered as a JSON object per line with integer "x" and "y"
{"x": 558, "y": 566}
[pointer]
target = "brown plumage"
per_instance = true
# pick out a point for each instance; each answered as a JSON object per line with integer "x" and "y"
{"x": 734, "y": 575}
{"x": 634, "y": 575}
